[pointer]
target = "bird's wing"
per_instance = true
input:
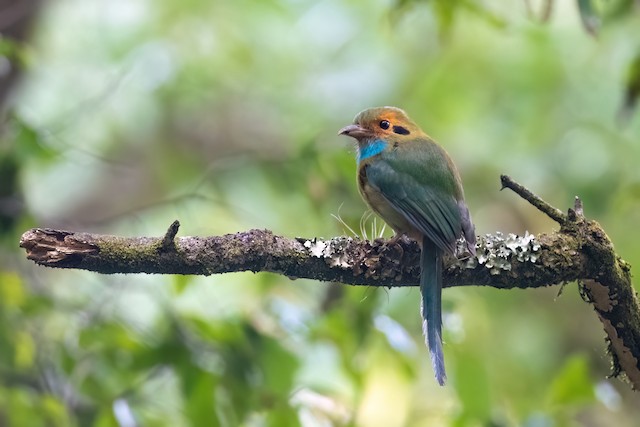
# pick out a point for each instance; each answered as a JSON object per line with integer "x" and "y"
{"x": 421, "y": 185}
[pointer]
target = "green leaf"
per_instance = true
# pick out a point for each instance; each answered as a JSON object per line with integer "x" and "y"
{"x": 200, "y": 407}
{"x": 12, "y": 293}
{"x": 282, "y": 416}
{"x": 180, "y": 283}
{"x": 573, "y": 384}
{"x": 278, "y": 367}
{"x": 589, "y": 16}
{"x": 30, "y": 142}
{"x": 472, "y": 386}
{"x": 631, "y": 90}
{"x": 13, "y": 51}
{"x": 55, "y": 411}
{"x": 25, "y": 350}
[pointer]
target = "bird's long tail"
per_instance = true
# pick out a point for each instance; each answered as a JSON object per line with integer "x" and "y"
{"x": 431, "y": 306}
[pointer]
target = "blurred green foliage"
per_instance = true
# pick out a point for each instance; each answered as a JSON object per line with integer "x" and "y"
{"x": 133, "y": 113}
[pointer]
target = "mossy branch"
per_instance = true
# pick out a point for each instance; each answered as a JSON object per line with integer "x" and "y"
{"x": 580, "y": 251}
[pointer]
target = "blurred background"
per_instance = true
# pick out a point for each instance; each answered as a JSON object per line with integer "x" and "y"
{"x": 121, "y": 116}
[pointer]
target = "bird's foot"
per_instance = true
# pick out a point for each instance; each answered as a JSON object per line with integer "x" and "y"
{"x": 397, "y": 239}
{"x": 464, "y": 250}
{"x": 396, "y": 245}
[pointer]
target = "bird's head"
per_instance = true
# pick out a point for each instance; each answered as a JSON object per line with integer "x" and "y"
{"x": 386, "y": 123}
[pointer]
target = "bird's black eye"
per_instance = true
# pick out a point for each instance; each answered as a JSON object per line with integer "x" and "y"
{"x": 384, "y": 124}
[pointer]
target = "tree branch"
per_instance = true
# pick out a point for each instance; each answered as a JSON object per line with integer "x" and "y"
{"x": 580, "y": 251}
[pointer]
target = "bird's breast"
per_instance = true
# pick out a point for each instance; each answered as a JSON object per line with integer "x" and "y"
{"x": 381, "y": 206}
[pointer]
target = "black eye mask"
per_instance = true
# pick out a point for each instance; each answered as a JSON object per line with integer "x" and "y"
{"x": 400, "y": 130}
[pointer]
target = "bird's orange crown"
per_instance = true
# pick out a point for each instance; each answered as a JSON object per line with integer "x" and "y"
{"x": 382, "y": 123}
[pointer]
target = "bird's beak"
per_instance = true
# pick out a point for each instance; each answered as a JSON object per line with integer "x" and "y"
{"x": 354, "y": 131}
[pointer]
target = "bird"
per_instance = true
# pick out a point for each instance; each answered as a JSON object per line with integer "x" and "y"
{"x": 410, "y": 181}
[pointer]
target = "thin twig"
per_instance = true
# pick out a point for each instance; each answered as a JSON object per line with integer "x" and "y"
{"x": 554, "y": 213}
{"x": 168, "y": 241}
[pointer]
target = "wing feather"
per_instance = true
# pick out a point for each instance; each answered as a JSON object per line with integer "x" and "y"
{"x": 424, "y": 202}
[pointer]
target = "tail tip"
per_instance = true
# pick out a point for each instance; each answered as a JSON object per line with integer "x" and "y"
{"x": 438, "y": 370}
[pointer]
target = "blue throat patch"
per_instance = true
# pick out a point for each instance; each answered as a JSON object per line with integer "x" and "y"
{"x": 371, "y": 149}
